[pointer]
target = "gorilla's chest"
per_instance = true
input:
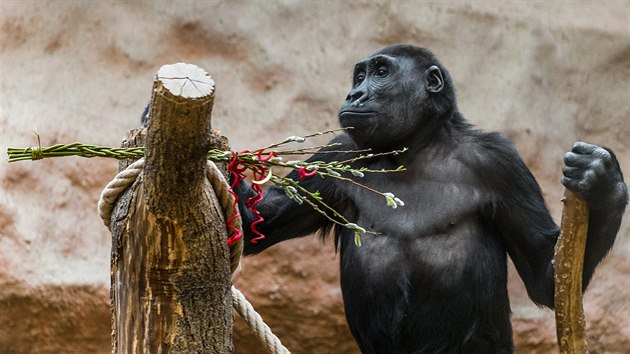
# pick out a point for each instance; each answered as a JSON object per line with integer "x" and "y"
{"x": 435, "y": 203}
{"x": 438, "y": 229}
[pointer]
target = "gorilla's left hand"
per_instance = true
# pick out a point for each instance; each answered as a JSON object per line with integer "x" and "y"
{"x": 593, "y": 172}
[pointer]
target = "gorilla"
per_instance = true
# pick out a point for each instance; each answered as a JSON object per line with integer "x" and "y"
{"x": 432, "y": 278}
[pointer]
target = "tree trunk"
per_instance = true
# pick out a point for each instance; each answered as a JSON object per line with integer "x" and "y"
{"x": 170, "y": 263}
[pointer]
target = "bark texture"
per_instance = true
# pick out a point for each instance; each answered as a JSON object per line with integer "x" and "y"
{"x": 170, "y": 267}
{"x": 568, "y": 261}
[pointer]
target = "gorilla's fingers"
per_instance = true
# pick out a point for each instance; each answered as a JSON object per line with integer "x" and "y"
{"x": 572, "y": 184}
{"x": 583, "y": 148}
{"x": 572, "y": 172}
{"x": 576, "y": 160}
{"x": 599, "y": 166}
{"x": 603, "y": 154}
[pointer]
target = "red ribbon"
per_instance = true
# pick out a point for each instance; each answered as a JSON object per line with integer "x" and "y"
{"x": 302, "y": 173}
{"x": 237, "y": 169}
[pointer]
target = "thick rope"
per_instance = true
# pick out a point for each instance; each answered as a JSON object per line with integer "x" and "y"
{"x": 125, "y": 179}
{"x": 226, "y": 199}
{"x": 115, "y": 188}
{"x": 256, "y": 323}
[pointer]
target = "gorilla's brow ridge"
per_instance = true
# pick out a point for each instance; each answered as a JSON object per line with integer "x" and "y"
{"x": 373, "y": 61}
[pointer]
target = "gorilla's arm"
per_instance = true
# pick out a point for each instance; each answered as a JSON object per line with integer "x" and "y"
{"x": 594, "y": 173}
{"x": 283, "y": 217}
{"x": 525, "y": 225}
{"x": 521, "y": 217}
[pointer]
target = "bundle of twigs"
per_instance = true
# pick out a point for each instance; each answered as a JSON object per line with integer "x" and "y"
{"x": 260, "y": 162}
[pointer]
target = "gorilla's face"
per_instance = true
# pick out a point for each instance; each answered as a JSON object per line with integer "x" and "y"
{"x": 389, "y": 98}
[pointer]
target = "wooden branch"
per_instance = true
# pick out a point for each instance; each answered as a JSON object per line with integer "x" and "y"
{"x": 567, "y": 265}
{"x": 170, "y": 264}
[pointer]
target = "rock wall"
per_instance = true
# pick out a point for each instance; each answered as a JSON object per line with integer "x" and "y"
{"x": 546, "y": 74}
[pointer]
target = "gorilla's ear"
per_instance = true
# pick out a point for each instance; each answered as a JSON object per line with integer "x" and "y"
{"x": 434, "y": 80}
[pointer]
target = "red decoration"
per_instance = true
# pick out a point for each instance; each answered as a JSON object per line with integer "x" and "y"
{"x": 237, "y": 168}
{"x": 302, "y": 173}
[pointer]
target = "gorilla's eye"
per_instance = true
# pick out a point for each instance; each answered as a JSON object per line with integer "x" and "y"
{"x": 381, "y": 72}
{"x": 360, "y": 77}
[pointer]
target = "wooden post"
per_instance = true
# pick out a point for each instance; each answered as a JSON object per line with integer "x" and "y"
{"x": 170, "y": 264}
{"x": 568, "y": 262}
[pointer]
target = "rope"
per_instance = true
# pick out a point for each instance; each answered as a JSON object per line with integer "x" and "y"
{"x": 226, "y": 199}
{"x": 115, "y": 188}
{"x": 256, "y": 323}
{"x": 127, "y": 177}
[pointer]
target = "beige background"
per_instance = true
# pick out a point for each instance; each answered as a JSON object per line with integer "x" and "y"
{"x": 544, "y": 73}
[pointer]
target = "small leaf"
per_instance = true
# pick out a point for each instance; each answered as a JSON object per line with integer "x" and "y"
{"x": 357, "y": 173}
{"x": 392, "y": 201}
{"x": 353, "y": 226}
{"x": 298, "y": 199}
{"x": 332, "y": 173}
{"x": 297, "y": 139}
{"x": 290, "y": 191}
{"x": 357, "y": 239}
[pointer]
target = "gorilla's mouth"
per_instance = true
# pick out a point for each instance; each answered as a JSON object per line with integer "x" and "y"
{"x": 355, "y": 114}
{"x": 352, "y": 118}
{"x": 357, "y": 120}
{"x": 361, "y": 122}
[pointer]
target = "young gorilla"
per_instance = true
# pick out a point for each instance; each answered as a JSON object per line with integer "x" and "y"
{"x": 433, "y": 280}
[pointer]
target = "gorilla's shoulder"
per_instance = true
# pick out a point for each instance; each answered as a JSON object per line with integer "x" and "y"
{"x": 492, "y": 155}
{"x": 494, "y": 143}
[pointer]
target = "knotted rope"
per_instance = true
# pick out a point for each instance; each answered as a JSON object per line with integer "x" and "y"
{"x": 126, "y": 177}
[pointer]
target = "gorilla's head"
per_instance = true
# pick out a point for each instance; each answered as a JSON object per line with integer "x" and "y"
{"x": 396, "y": 92}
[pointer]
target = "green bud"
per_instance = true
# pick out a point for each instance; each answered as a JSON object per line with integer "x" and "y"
{"x": 357, "y": 239}
{"x": 357, "y": 173}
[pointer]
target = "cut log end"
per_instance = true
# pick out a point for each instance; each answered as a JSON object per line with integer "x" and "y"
{"x": 186, "y": 80}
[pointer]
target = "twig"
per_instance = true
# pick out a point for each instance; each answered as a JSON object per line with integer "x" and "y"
{"x": 260, "y": 162}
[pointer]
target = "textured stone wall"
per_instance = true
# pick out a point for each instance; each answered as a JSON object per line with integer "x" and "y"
{"x": 545, "y": 74}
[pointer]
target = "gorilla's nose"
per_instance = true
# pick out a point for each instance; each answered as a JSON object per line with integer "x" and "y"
{"x": 357, "y": 97}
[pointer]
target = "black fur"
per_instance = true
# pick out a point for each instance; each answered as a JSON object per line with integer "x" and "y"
{"x": 434, "y": 279}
